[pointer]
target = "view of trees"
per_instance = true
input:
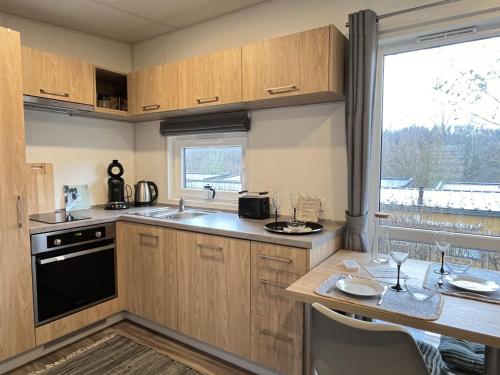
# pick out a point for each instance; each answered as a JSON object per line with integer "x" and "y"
{"x": 456, "y": 137}
{"x": 442, "y": 153}
{"x": 213, "y": 160}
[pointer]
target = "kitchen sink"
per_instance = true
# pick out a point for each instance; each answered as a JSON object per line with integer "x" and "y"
{"x": 172, "y": 214}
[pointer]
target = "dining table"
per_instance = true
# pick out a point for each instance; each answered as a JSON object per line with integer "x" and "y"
{"x": 461, "y": 318}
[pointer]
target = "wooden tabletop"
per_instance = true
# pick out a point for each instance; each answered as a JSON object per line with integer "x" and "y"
{"x": 461, "y": 318}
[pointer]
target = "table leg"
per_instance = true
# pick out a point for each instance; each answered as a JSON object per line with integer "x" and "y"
{"x": 306, "y": 361}
{"x": 492, "y": 361}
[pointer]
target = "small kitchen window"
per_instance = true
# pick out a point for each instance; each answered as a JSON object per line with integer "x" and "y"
{"x": 198, "y": 163}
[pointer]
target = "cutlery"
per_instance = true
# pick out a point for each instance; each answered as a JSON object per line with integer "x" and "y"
{"x": 472, "y": 294}
{"x": 381, "y": 298}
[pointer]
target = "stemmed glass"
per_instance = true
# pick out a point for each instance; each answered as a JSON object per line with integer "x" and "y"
{"x": 443, "y": 244}
{"x": 275, "y": 199}
{"x": 400, "y": 251}
{"x": 294, "y": 202}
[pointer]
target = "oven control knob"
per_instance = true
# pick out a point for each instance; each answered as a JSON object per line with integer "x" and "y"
{"x": 98, "y": 234}
{"x": 57, "y": 242}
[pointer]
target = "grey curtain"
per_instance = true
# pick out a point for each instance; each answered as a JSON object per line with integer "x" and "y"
{"x": 361, "y": 71}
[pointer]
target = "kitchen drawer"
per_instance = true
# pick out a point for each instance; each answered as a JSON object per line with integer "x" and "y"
{"x": 281, "y": 258}
{"x": 277, "y": 346}
{"x": 269, "y": 300}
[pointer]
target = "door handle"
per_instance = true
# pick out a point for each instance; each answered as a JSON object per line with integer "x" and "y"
{"x": 55, "y": 93}
{"x": 211, "y": 247}
{"x": 207, "y": 100}
{"x": 272, "y": 283}
{"x": 282, "y": 89}
{"x": 150, "y": 107}
{"x": 74, "y": 255}
{"x": 19, "y": 211}
{"x": 277, "y": 259}
{"x": 276, "y": 335}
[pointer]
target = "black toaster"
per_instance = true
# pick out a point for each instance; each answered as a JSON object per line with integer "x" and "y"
{"x": 254, "y": 206}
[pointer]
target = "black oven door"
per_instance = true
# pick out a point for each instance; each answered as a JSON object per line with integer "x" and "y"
{"x": 69, "y": 280}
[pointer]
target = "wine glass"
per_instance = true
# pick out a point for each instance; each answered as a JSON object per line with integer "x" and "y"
{"x": 400, "y": 251}
{"x": 443, "y": 244}
{"x": 294, "y": 202}
{"x": 275, "y": 199}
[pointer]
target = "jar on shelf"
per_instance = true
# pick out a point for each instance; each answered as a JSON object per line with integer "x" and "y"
{"x": 381, "y": 246}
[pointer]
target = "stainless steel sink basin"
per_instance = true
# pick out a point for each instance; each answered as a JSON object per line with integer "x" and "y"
{"x": 172, "y": 214}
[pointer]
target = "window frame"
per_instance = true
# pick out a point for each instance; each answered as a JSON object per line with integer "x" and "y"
{"x": 403, "y": 44}
{"x": 175, "y": 147}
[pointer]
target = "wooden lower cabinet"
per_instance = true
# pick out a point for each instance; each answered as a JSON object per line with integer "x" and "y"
{"x": 147, "y": 281}
{"x": 214, "y": 290}
{"x": 277, "y": 345}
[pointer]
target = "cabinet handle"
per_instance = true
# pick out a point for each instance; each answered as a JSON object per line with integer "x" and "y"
{"x": 276, "y": 335}
{"x": 211, "y": 247}
{"x": 277, "y": 259}
{"x": 282, "y": 89}
{"x": 55, "y": 93}
{"x": 154, "y": 237}
{"x": 19, "y": 212}
{"x": 272, "y": 283}
{"x": 150, "y": 107}
{"x": 207, "y": 100}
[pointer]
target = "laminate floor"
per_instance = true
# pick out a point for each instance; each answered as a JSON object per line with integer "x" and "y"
{"x": 179, "y": 352}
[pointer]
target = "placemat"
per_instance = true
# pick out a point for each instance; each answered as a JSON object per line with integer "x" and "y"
{"x": 384, "y": 271}
{"x": 400, "y": 303}
{"x": 431, "y": 278}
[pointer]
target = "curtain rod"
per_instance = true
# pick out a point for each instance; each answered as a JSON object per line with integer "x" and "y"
{"x": 403, "y": 11}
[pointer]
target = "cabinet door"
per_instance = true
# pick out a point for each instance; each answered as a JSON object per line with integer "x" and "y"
{"x": 17, "y": 331}
{"x": 147, "y": 281}
{"x": 277, "y": 345}
{"x": 214, "y": 290}
{"x": 210, "y": 79}
{"x": 57, "y": 77}
{"x": 153, "y": 89}
{"x": 290, "y": 65}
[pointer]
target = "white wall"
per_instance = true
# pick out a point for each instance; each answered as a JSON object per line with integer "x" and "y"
{"x": 308, "y": 143}
{"x": 280, "y": 17}
{"x": 297, "y": 148}
{"x": 100, "y": 51}
{"x": 80, "y": 150}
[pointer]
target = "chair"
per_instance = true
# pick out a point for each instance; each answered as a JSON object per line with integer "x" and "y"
{"x": 345, "y": 346}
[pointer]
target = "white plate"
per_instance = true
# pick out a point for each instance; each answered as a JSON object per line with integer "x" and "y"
{"x": 472, "y": 283}
{"x": 360, "y": 287}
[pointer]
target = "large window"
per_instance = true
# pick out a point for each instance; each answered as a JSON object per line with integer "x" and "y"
{"x": 440, "y": 145}
{"x": 210, "y": 160}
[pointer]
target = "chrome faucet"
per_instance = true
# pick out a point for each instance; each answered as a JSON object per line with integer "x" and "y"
{"x": 181, "y": 205}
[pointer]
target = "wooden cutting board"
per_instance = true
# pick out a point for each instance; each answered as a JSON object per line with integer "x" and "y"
{"x": 41, "y": 188}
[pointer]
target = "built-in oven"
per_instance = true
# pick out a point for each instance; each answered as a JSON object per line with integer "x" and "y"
{"x": 73, "y": 269}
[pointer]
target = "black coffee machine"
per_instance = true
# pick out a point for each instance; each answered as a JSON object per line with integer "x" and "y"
{"x": 116, "y": 187}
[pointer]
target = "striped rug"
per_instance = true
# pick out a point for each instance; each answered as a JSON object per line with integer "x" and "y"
{"x": 116, "y": 354}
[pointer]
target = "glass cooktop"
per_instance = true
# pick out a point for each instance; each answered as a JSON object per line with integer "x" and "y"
{"x": 58, "y": 217}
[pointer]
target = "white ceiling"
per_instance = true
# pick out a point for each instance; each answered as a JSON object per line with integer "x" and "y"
{"x": 127, "y": 20}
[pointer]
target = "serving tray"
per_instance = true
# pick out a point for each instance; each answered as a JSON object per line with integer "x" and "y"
{"x": 278, "y": 227}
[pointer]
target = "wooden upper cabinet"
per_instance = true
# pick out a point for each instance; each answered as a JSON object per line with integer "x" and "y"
{"x": 154, "y": 89}
{"x": 147, "y": 272}
{"x": 303, "y": 63}
{"x": 57, "y": 77}
{"x": 214, "y": 290}
{"x": 210, "y": 79}
{"x": 17, "y": 331}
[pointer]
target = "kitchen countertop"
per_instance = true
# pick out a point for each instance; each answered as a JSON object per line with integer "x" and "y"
{"x": 218, "y": 223}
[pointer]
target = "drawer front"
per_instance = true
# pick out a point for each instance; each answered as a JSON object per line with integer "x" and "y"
{"x": 269, "y": 300}
{"x": 277, "y": 346}
{"x": 280, "y": 258}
